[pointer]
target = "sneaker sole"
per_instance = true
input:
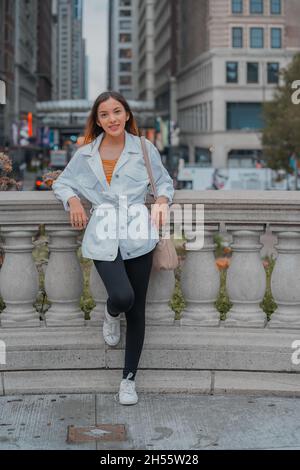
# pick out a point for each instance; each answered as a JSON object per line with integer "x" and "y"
{"x": 128, "y": 404}
{"x": 111, "y": 344}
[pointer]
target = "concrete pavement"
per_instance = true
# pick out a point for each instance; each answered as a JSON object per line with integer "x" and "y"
{"x": 157, "y": 422}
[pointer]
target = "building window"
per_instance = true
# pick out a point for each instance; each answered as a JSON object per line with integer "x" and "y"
{"x": 273, "y": 72}
{"x": 237, "y": 6}
{"x": 244, "y": 116}
{"x": 125, "y": 3}
{"x": 245, "y": 159}
{"x": 256, "y": 7}
{"x": 257, "y": 38}
{"x": 125, "y": 53}
{"x": 252, "y": 72}
{"x": 237, "y": 37}
{"x": 126, "y": 80}
{"x": 275, "y": 7}
{"x": 232, "y": 72}
{"x": 125, "y": 24}
{"x": 125, "y": 37}
{"x": 125, "y": 13}
{"x": 276, "y": 38}
{"x": 125, "y": 67}
{"x": 203, "y": 157}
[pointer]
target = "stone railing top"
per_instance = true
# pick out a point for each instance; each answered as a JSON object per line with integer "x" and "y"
{"x": 249, "y": 207}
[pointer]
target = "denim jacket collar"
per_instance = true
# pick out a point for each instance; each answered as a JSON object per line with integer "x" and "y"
{"x": 131, "y": 147}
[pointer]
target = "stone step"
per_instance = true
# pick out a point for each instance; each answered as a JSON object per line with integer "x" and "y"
{"x": 151, "y": 381}
{"x": 165, "y": 347}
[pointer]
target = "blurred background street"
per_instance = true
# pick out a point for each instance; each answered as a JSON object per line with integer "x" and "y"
{"x": 200, "y": 77}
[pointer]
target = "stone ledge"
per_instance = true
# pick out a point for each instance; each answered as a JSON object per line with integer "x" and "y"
{"x": 262, "y": 383}
{"x": 152, "y": 381}
{"x": 165, "y": 347}
{"x": 104, "y": 381}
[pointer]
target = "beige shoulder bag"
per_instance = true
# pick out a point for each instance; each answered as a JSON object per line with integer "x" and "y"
{"x": 164, "y": 256}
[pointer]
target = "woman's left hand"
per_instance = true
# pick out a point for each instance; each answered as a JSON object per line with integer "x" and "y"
{"x": 160, "y": 211}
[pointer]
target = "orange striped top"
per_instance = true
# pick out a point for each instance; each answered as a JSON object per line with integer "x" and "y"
{"x": 108, "y": 167}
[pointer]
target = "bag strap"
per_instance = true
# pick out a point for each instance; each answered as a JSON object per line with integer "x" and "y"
{"x": 148, "y": 166}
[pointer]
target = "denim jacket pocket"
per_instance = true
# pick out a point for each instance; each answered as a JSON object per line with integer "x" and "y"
{"x": 87, "y": 181}
{"x": 138, "y": 175}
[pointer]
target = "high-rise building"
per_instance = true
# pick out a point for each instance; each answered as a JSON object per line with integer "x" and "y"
{"x": 44, "y": 50}
{"x": 230, "y": 54}
{"x": 120, "y": 45}
{"x": 70, "y": 46}
{"x": 145, "y": 57}
{"x": 54, "y": 51}
{"x": 166, "y": 57}
{"x": 7, "y": 73}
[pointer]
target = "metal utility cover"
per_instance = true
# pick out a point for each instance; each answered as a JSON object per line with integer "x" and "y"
{"x": 101, "y": 432}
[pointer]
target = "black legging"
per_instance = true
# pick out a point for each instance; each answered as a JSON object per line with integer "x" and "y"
{"x": 126, "y": 282}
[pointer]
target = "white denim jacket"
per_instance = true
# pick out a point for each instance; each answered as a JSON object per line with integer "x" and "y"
{"x": 119, "y": 215}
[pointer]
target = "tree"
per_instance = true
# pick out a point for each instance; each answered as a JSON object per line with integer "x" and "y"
{"x": 281, "y": 135}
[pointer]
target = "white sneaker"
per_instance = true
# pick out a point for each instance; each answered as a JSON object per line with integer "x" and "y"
{"x": 127, "y": 393}
{"x": 111, "y": 328}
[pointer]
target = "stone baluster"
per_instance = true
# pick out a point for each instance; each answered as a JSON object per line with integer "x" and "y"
{"x": 63, "y": 278}
{"x": 285, "y": 281}
{"x": 160, "y": 289}
{"x": 246, "y": 279}
{"x": 19, "y": 280}
{"x": 200, "y": 279}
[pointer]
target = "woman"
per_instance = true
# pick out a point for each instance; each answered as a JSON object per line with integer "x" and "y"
{"x": 109, "y": 171}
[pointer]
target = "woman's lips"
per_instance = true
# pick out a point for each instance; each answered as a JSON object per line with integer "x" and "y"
{"x": 113, "y": 128}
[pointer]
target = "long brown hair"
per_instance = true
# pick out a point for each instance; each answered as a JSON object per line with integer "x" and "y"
{"x": 92, "y": 129}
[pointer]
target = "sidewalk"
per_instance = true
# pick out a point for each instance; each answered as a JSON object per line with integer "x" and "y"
{"x": 157, "y": 422}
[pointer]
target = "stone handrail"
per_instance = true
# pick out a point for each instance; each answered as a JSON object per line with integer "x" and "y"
{"x": 244, "y": 214}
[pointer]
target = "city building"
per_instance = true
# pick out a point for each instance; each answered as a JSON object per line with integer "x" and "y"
{"x": 230, "y": 54}
{"x": 7, "y": 73}
{"x": 120, "y": 48}
{"x": 145, "y": 52}
{"x": 70, "y": 49}
{"x": 44, "y": 50}
{"x": 165, "y": 57}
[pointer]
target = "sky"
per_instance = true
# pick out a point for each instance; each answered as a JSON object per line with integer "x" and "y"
{"x": 95, "y": 30}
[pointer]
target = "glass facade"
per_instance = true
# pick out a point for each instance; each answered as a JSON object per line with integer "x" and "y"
{"x": 244, "y": 116}
{"x": 232, "y": 72}
{"x": 237, "y": 37}
{"x": 237, "y": 6}
{"x": 252, "y": 72}
{"x": 276, "y": 41}
{"x": 275, "y": 7}
{"x": 273, "y": 72}
{"x": 256, "y": 38}
{"x": 256, "y": 7}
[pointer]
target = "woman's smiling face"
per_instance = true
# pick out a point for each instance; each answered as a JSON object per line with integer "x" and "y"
{"x": 112, "y": 117}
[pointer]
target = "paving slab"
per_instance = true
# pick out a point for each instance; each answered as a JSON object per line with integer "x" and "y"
{"x": 41, "y": 422}
{"x": 159, "y": 421}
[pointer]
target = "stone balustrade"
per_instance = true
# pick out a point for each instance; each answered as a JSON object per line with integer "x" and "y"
{"x": 244, "y": 215}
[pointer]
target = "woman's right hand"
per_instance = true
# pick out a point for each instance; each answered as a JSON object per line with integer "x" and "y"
{"x": 78, "y": 217}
